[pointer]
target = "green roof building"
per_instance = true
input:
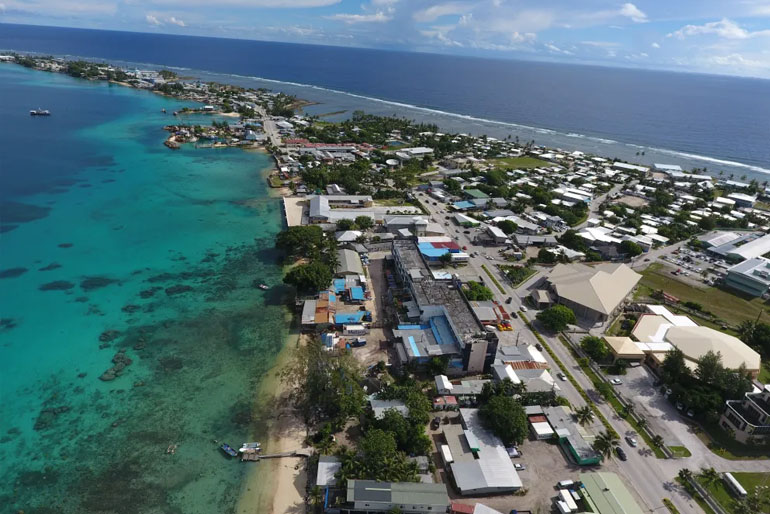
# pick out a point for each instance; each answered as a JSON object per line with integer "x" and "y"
{"x": 475, "y": 194}
{"x": 605, "y": 493}
{"x": 410, "y": 497}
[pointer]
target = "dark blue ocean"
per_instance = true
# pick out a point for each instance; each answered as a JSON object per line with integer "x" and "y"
{"x": 718, "y": 122}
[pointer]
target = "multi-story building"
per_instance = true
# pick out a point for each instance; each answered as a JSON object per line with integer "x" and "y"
{"x": 748, "y": 418}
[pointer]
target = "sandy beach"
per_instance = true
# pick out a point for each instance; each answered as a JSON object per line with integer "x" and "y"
{"x": 277, "y": 485}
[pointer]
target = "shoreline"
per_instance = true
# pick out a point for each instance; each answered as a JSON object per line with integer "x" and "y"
{"x": 276, "y": 485}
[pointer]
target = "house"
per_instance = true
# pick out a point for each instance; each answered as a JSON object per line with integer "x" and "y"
{"x": 594, "y": 293}
{"x": 748, "y": 419}
{"x": 328, "y": 465}
{"x": 572, "y": 436}
{"x": 349, "y": 263}
{"x": 369, "y": 496}
{"x": 380, "y": 407}
{"x": 477, "y": 459}
{"x": 751, "y": 277}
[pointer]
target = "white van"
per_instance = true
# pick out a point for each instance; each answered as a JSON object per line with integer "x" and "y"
{"x": 565, "y": 484}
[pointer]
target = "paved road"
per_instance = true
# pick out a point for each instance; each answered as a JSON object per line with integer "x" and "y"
{"x": 269, "y": 127}
{"x": 593, "y": 210}
{"x": 650, "y": 477}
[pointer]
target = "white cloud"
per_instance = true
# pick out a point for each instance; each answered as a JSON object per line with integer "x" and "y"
{"x": 439, "y": 10}
{"x": 152, "y": 20}
{"x": 655, "y": 45}
{"x": 157, "y": 20}
{"x": 277, "y": 4}
{"x": 736, "y": 60}
{"x": 631, "y": 11}
{"x": 600, "y": 44}
{"x": 378, "y": 17}
{"x": 724, "y": 28}
{"x": 176, "y": 21}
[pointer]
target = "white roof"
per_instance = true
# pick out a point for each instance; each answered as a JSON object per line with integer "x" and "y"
{"x": 496, "y": 232}
{"x": 442, "y": 382}
{"x": 542, "y": 428}
{"x": 600, "y": 288}
{"x": 328, "y": 465}
{"x": 753, "y": 248}
{"x": 447, "y": 453}
{"x": 697, "y": 341}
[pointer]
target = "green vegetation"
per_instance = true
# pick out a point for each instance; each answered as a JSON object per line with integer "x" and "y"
{"x": 680, "y": 452}
{"x": 360, "y": 223}
{"x": 522, "y": 163}
{"x": 492, "y": 277}
{"x": 723, "y": 444}
{"x": 681, "y": 480}
{"x": 318, "y": 251}
{"x": 557, "y": 318}
{"x": 605, "y": 443}
{"x": 324, "y": 386}
{"x": 706, "y": 390}
{"x": 506, "y": 418}
{"x": 595, "y": 347}
{"x": 477, "y": 292}
{"x": 507, "y": 226}
{"x": 630, "y": 248}
{"x": 569, "y": 376}
{"x": 731, "y": 308}
{"x": 517, "y": 274}
{"x": 754, "y": 483}
{"x": 378, "y": 458}
{"x": 670, "y": 506}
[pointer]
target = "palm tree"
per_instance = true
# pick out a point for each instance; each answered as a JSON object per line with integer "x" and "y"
{"x": 657, "y": 441}
{"x": 605, "y": 443}
{"x": 709, "y": 475}
{"x": 316, "y": 498}
{"x": 584, "y": 415}
{"x": 642, "y": 423}
{"x": 685, "y": 475}
{"x": 629, "y": 409}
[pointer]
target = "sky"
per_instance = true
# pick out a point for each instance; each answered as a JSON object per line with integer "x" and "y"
{"x": 713, "y": 36}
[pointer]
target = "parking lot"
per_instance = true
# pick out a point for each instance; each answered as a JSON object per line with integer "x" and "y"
{"x": 663, "y": 417}
{"x": 694, "y": 267}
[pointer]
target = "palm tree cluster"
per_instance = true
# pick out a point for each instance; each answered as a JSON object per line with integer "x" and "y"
{"x": 605, "y": 443}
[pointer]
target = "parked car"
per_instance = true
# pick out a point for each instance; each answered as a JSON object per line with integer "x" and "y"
{"x": 679, "y": 406}
{"x": 615, "y": 381}
{"x": 509, "y": 300}
{"x": 539, "y": 346}
{"x": 621, "y": 453}
{"x": 561, "y": 376}
{"x": 519, "y": 467}
{"x": 435, "y": 423}
{"x": 690, "y": 413}
{"x": 632, "y": 442}
{"x": 524, "y": 308}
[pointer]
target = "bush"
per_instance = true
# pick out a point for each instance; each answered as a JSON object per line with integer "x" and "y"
{"x": 557, "y": 318}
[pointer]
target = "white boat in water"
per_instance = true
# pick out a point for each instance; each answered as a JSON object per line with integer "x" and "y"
{"x": 250, "y": 448}
{"x": 40, "y": 112}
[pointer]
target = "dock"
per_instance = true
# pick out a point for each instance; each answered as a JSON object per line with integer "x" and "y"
{"x": 248, "y": 457}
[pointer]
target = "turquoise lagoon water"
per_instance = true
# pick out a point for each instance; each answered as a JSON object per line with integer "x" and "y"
{"x": 112, "y": 243}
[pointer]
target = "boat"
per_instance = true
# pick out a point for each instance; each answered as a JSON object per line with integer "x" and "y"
{"x": 40, "y": 112}
{"x": 229, "y": 450}
{"x": 250, "y": 448}
{"x": 264, "y": 287}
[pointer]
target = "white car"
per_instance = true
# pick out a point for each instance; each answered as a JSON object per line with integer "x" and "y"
{"x": 616, "y": 381}
{"x": 523, "y": 308}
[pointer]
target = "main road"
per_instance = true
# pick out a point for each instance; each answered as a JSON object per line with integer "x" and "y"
{"x": 652, "y": 478}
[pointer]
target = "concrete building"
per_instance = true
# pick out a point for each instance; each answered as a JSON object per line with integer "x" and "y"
{"x": 751, "y": 277}
{"x": 573, "y": 438}
{"x": 594, "y": 293}
{"x": 478, "y": 460}
{"x": 365, "y": 496}
{"x": 749, "y": 418}
{"x": 605, "y": 493}
{"x": 660, "y": 331}
{"x": 442, "y": 321}
{"x": 750, "y": 250}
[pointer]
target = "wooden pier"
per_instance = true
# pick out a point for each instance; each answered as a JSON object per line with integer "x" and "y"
{"x": 250, "y": 457}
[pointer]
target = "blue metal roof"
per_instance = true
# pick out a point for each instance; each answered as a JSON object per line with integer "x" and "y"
{"x": 357, "y": 293}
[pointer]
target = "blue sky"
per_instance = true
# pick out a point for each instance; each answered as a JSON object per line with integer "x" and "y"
{"x": 714, "y": 36}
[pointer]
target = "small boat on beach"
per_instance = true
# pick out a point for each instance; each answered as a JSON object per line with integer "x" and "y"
{"x": 40, "y": 112}
{"x": 263, "y": 287}
{"x": 229, "y": 450}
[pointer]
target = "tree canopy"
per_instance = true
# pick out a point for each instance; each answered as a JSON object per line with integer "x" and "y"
{"x": 557, "y": 318}
{"x": 507, "y": 226}
{"x": 313, "y": 276}
{"x": 477, "y": 292}
{"x": 506, "y": 418}
{"x": 595, "y": 347}
{"x": 630, "y": 248}
{"x": 300, "y": 241}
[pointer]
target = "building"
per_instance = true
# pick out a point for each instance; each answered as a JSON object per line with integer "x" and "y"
{"x": 742, "y": 199}
{"x": 328, "y": 465}
{"x": 380, "y": 407}
{"x": 660, "y": 331}
{"x": 573, "y": 438}
{"x": 365, "y": 496}
{"x": 750, "y": 250}
{"x": 594, "y": 293}
{"x": 605, "y": 493}
{"x": 349, "y": 263}
{"x": 477, "y": 459}
{"x": 751, "y": 277}
{"x": 442, "y": 322}
{"x": 749, "y": 418}
{"x": 332, "y": 208}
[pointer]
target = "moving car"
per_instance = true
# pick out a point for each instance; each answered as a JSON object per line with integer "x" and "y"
{"x": 621, "y": 453}
{"x": 509, "y": 300}
{"x": 615, "y": 381}
{"x": 519, "y": 467}
{"x": 523, "y": 308}
{"x": 561, "y": 376}
{"x": 632, "y": 442}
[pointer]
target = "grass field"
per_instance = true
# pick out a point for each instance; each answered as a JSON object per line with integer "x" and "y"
{"x": 680, "y": 451}
{"x": 719, "y": 442}
{"x": 726, "y": 499}
{"x": 764, "y": 373}
{"x": 519, "y": 162}
{"x": 729, "y": 307}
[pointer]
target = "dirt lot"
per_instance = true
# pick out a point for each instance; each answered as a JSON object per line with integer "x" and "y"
{"x": 376, "y": 341}
{"x": 631, "y": 201}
